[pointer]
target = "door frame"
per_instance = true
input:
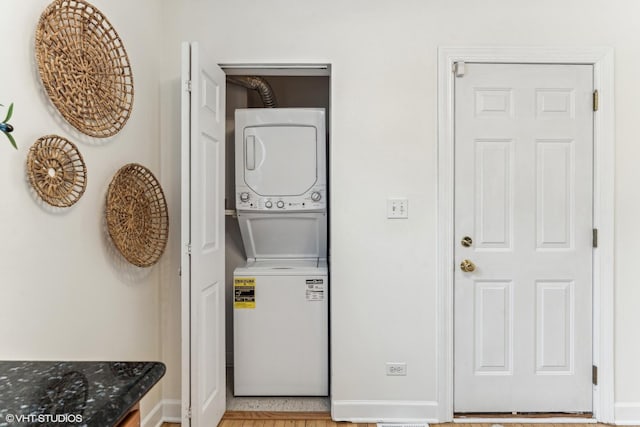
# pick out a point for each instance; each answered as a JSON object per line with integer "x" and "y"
{"x": 230, "y": 68}
{"x": 603, "y": 209}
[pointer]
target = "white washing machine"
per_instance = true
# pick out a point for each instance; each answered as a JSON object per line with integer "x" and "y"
{"x": 280, "y": 334}
{"x": 281, "y": 294}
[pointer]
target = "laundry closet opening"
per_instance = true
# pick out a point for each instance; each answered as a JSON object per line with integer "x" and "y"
{"x": 277, "y": 247}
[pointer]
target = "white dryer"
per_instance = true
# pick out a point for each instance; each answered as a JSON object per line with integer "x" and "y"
{"x": 280, "y": 159}
{"x": 280, "y": 314}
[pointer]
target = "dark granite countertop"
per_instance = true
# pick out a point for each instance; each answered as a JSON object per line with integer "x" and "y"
{"x": 56, "y": 394}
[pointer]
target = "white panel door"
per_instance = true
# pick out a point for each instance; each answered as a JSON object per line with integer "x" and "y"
{"x": 523, "y": 197}
{"x": 203, "y": 272}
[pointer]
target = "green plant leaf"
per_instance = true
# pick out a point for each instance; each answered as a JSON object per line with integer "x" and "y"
{"x": 12, "y": 141}
{"x": 9, "y": 113}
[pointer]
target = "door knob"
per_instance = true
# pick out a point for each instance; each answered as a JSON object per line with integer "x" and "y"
{"x": 467, "y": 266}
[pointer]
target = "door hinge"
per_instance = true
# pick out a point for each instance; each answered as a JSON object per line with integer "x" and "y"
{"x": 594, "y": 375}
{"x": 189, "y": 412}
{"x": 187, "y": 86}
{"x": 595, "y": 238}
{"x": 458, "y": 69}
{"x": 189, "y": 249}
{"x": 595, "y": 100}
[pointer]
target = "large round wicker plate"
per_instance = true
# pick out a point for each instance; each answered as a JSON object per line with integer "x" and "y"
{"x": 57, "y": 170}
{"x": 84, "y": 67}
{"x": 137, "y": 215}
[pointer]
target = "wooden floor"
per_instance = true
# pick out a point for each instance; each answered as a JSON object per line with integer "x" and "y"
{"x": 276, "y": 419}
{"x": 280, "y": 419}
{"x": 323, "y": 419}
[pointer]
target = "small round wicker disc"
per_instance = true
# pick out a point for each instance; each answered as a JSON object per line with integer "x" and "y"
{"x": 57, "y": 171}
{"x": 137, "y": 215}
{"x": 84, "y": 67}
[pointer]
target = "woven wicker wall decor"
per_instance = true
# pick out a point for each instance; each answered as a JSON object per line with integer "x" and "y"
{"x": 137, "y": 216}
{"x": 84, "y": 67}
{"x": 56, "y": 171}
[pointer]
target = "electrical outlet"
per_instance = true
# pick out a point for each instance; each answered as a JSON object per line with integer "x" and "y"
{"x": 397, "y": 208}
{"x": 396, "y": 369}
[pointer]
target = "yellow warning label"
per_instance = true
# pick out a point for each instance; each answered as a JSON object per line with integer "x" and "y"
{"x": 244, "y": 291}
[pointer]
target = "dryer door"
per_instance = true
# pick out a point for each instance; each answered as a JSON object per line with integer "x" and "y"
{"x": 280, "y": 160}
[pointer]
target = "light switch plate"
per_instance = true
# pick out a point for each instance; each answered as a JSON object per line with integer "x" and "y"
{"x": 397, "y": 208}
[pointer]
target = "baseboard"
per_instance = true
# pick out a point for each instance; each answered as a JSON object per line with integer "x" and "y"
{"x": 153, "y": 418}
{"x": 525, "y": 420}
{"x": 388, "y": 411}
{"x": 627, "y": 413}
{"x": 166, "y": 411}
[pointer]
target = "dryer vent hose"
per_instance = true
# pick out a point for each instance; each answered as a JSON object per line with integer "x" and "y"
{"x": 258, "y": 84}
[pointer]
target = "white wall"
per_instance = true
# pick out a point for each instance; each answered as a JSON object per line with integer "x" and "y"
{"x": 383, "y": 55}
{"x": 65, "y": 293}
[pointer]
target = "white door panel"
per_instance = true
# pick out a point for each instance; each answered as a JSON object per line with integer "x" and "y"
{"x": 523, "y": 193}
{"x": 203, "y": 152}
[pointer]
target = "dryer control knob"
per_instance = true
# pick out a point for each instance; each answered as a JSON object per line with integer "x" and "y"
{"x": 244, "y": 197}
{"x": 268, "y": 204}
{"x": 316, "y": 196}
{"x": 280, "y": 204}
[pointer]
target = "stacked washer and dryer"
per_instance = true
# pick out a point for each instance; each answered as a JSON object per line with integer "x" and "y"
{"x": 280, "y": 314}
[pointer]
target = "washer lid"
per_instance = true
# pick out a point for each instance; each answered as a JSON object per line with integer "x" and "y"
{"x": 284, "y": 236}
{"x": 283, "y": 264}
{"x": 308, "y": 268}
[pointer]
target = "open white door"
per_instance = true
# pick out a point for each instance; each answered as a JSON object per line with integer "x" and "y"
{"x": 203, "y": 153}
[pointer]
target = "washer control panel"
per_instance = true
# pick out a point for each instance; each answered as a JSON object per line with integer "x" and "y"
{"x": 314, "y": 199}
